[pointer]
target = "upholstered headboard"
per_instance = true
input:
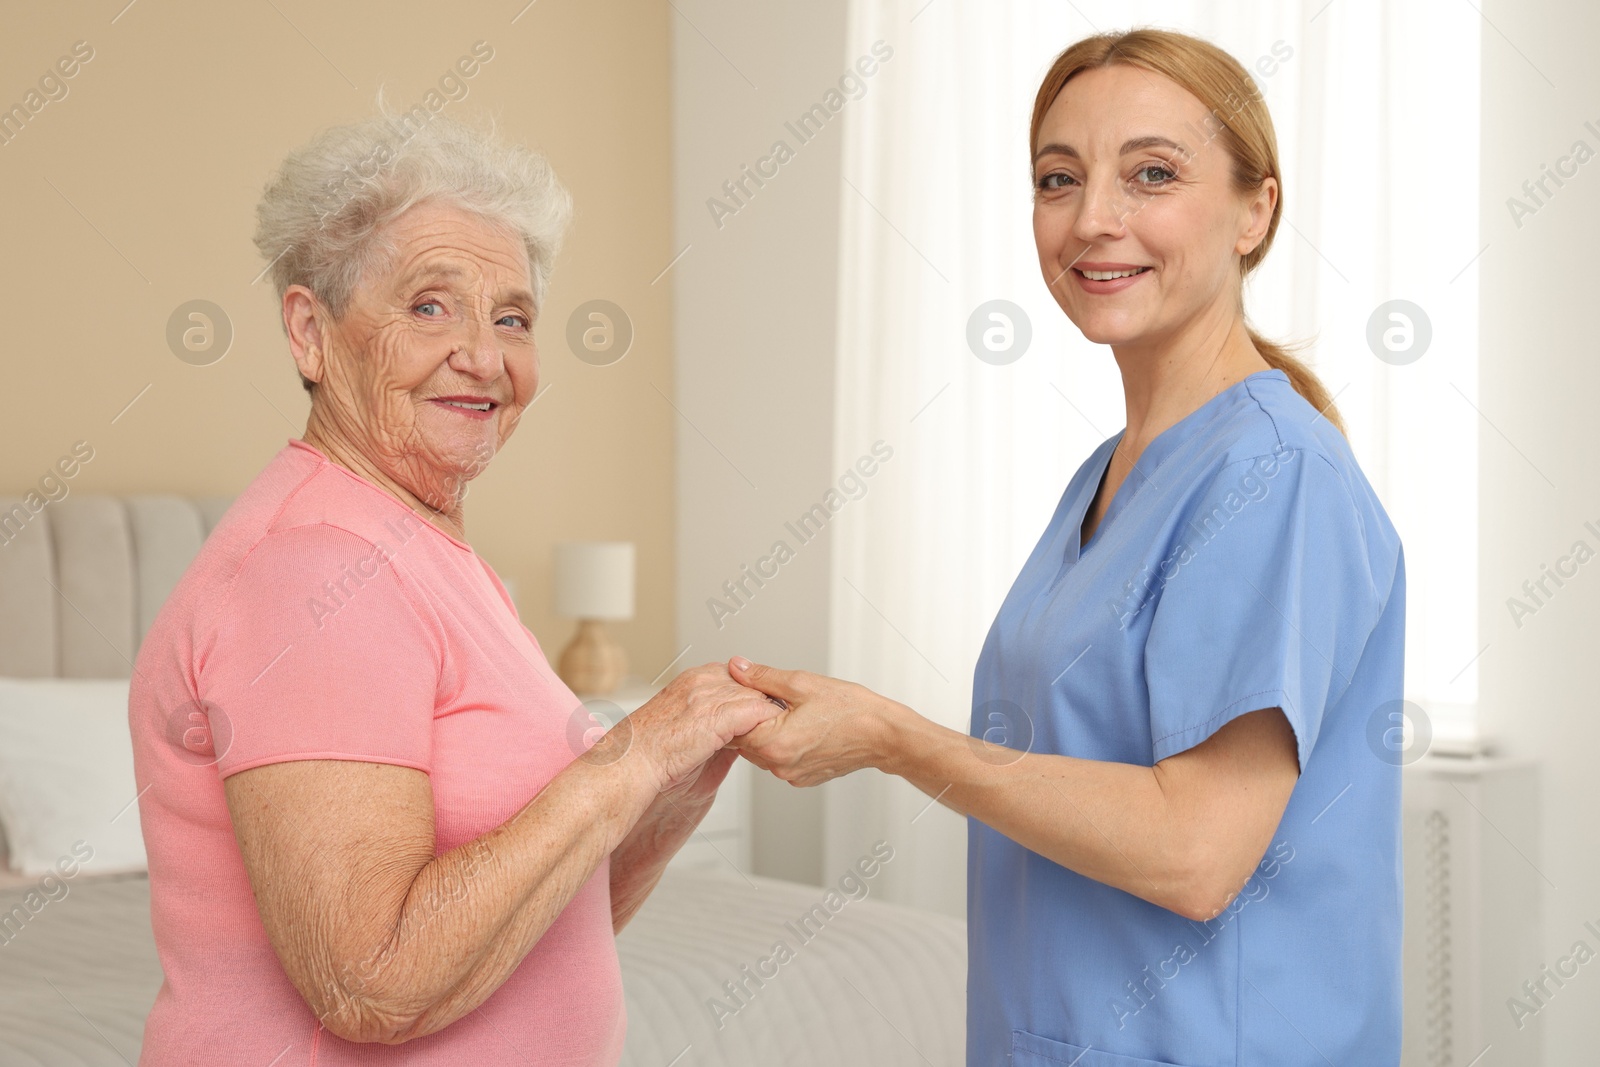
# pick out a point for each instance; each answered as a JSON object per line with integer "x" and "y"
{"x": 82, "y": 578}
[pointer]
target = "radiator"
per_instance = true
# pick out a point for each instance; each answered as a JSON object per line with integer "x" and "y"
{"x": 1473, "y": 892}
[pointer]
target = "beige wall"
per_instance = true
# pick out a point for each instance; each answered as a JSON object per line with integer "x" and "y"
{"x": 136, "y": 192}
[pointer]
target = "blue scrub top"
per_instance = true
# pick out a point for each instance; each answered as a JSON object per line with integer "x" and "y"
{"x": 1245, "y": 564}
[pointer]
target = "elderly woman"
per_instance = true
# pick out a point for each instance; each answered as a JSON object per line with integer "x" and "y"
{"x": 1183, "y": 845}
{"x": 366, "y": 818}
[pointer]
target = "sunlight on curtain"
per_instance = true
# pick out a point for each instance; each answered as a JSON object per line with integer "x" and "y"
{"x": 1376, "y": 114}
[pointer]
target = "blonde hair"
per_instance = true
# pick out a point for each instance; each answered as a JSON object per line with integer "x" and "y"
{"x": 323, "y": 217}
{"x": 1243, "y": 126}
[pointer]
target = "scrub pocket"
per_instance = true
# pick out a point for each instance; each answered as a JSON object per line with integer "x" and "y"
{"x": 1031, "y": 1050}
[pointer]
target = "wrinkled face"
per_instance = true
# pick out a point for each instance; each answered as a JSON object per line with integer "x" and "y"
{"x": 1129, "y": 176}
{"x": 434, "y": 360}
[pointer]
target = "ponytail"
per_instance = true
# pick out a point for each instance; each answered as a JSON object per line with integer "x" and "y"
{"x": 1284, "y": 357}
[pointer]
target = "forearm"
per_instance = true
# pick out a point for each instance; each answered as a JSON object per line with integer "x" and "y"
{"x": 638, "y": 863}
{"x": 1113, "y": 822}
{"x": 468, "y": 917}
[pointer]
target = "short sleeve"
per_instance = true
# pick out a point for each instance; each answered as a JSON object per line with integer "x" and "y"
{"x": 318, "y": 650}
{"x": 1267, "y": 600}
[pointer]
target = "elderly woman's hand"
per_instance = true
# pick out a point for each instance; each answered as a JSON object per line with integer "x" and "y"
{"x": 680, "y": 740}
{"x": 685, "y": 725}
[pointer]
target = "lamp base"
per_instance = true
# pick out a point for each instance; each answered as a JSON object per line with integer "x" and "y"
{"x": 592, "y": 664}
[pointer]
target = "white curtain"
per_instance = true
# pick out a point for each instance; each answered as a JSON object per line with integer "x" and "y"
{"x": 1376, "y": 116}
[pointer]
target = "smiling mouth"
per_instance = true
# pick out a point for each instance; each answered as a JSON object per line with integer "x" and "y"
{"x": 469, "y": 403}
{"x": 1109, "y": 275}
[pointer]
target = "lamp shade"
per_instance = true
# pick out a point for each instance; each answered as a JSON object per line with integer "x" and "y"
{"x": 594, "y": 579}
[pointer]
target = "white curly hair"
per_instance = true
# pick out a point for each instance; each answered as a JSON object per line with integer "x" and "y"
{"x": 323, "y": 216}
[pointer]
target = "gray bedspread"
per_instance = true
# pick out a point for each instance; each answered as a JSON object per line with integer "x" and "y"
{"x": 868, "y": 984}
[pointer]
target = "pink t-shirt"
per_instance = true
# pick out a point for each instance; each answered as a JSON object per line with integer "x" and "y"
{"x": 324, "y": 619}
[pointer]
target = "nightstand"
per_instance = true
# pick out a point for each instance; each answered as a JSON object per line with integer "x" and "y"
{"x": 722, "y": 842}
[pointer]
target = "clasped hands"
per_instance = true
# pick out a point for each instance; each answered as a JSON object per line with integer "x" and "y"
{"x": 804, "y": 728}
{"x": 824, "y": 728}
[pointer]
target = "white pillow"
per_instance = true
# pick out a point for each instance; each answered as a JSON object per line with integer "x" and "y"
{"x": 66, "y": 775}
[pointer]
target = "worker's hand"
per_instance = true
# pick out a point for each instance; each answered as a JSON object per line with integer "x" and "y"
{"x": 828, "y": 728}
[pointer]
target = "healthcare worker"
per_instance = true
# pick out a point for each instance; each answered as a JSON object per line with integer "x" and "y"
{"x": 1184, "y": 843}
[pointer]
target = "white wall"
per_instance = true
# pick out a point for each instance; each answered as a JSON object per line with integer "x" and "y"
{"x": 755, "y": 305}
{"x": 1540, "y": 380}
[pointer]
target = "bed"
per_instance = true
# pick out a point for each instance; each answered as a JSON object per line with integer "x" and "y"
{"x": 860, "y": 982}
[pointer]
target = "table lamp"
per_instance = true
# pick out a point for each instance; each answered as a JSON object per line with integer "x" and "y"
{"x": 594, "y": 584}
